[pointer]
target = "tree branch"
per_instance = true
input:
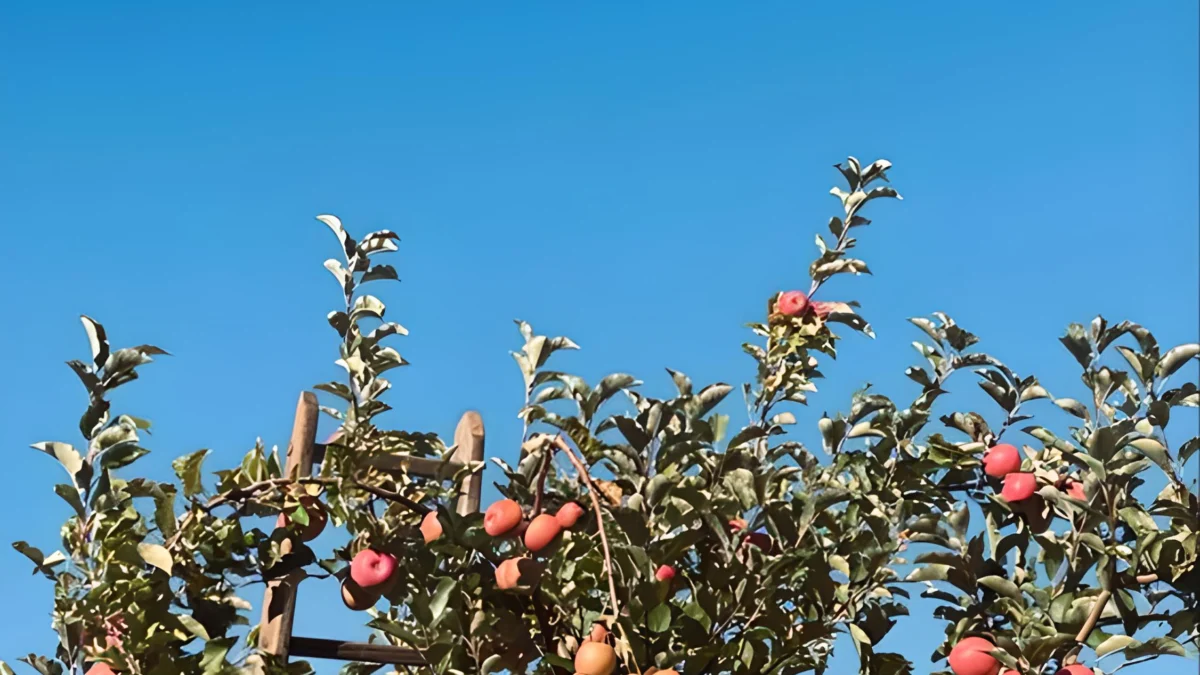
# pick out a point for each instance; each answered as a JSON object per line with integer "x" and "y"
{"x": 593, "y": 492}
{"x": 253, "y": 489}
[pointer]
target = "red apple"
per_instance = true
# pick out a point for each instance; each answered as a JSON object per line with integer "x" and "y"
{"x": 371, "y": 568}
{"x": 357, "y": 598}
{"x": 317, "y": 517}
{"x": 762, "y": 540}
{"x": 101, "y": 669}
{"x": 970, "y": 657}
{"x": 431, "y": 527}
{"x": 665, "y": 573}
{"x": 1018, "y": 486}
{"x": 541, "y": 531}
{"x": 569, "y": 514}
{"x": 737, "y": 525}
{"x": 1010, "y": 671}
{"x": 792, "y": 303}
{"x": 1075, "y": 490}
{"x": 1076, "y": 669}
{"x": 1001, "y": 460}
{"x": 595, "y": 658}
{"x": 501, "y": 517}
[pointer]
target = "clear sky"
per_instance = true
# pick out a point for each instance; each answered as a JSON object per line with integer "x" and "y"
{"x": 637, "y": 176}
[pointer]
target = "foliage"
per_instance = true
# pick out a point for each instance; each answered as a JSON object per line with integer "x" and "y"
{"x": 778, "y": 549}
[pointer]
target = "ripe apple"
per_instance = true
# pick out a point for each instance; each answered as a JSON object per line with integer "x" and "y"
{"x": 1075, "y": 490}
{"x": 1076, "y": 669}
{"x": 1001, "y": 460}
{"x": 665, "y": 573}
{"x": 569, "y": 514}
{"x": 101, "y": 669}
{"x": 317, "y": 517}
{"x": 762, "y": 540}
{"x": 431, "y": 527}
{"x": 358, "y": 598}
{"x": 792, "y": 303}
{"x": 1010, "y": 671}
{"x": 371, "y": 568}
{"x": 737, "y": 525}
{"x": 595, "y": 658}
{"x": 515, "y": 571}
{"x": 1018, "y": 486}
{"x": 501, "y": 517}
{"x": 541, "y": 531}
{"x": 970, "y": 657}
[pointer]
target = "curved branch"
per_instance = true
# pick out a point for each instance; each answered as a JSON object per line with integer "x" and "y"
{"x": 253, "y": 489}
{"x": 593, "y": 492}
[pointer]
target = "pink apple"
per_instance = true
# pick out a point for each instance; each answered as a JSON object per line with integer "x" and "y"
{"x": 372, "y": 568}
{"x": 1018, "y": 486}
{"x": 792, "y": 303}
{"x": 1001, "y": 460}
{"x": 665, "y": 573}
{"x": 1075, "y": 490}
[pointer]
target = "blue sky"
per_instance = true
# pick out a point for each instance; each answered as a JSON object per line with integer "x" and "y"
{"x": 637, "y": 177}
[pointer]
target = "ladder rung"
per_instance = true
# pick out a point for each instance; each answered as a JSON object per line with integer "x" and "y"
{"x": 416, "y": 466}
{"x": 320, "y": 648}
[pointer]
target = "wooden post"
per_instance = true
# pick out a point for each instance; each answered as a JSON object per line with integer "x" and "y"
{"x": 468, "y": 437}
{"x": 279, "y": 600}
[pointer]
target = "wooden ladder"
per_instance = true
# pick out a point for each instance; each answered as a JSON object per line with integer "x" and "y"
{"x": 279, "y": 600}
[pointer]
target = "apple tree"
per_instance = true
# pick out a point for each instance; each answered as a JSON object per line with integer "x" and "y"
{"x": 642, "y": 533}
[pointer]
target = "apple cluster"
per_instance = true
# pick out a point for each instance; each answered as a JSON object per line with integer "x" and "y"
{"x": 972, "y": 656}
{"x": 1003, "y": 462}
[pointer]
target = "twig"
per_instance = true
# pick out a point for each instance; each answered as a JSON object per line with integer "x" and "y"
{"x": 1101, "y": 603}
{"x": 261, "y": 486}
{"x": 541, "y": 484}
{"x": 1093, "y": 616}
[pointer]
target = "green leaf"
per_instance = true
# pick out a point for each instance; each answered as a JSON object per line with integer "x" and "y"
{"x": 1156, "y": 645}
{"x": 711, "y": 396}
{"x": 213, "y": 661}
{"x": 70, "y": 494}
{"x": 380, "y": 272}
{"x": 41, "y": 561}
{"x": 1001, "y": 585}
{"x": 156, "y": 555}
{"x": 121, "y": 455}
{"x": 1174, "y": 359}
{"x": 1139, "y": 520}
{"x": 1154, "y": 451}
{"x": 659, "y": 620}
{"x": 1074, "y": 407}
{"x": 682, "y": 382}
{"x": 741, "y": 483}
{"x": 859, "y": 634}
{"x": 335, "y": 224}
{"x": 97, "y": 339}
{"x": 1115, "y": 643}
{"x": 694, "y": 611}
{"x": 193, "y": 626}
{"x": 491, "y": 665}
{"x": 64, "y": 453}
{"x": 187, "y": 468}
{"x": 441, "y": 597}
